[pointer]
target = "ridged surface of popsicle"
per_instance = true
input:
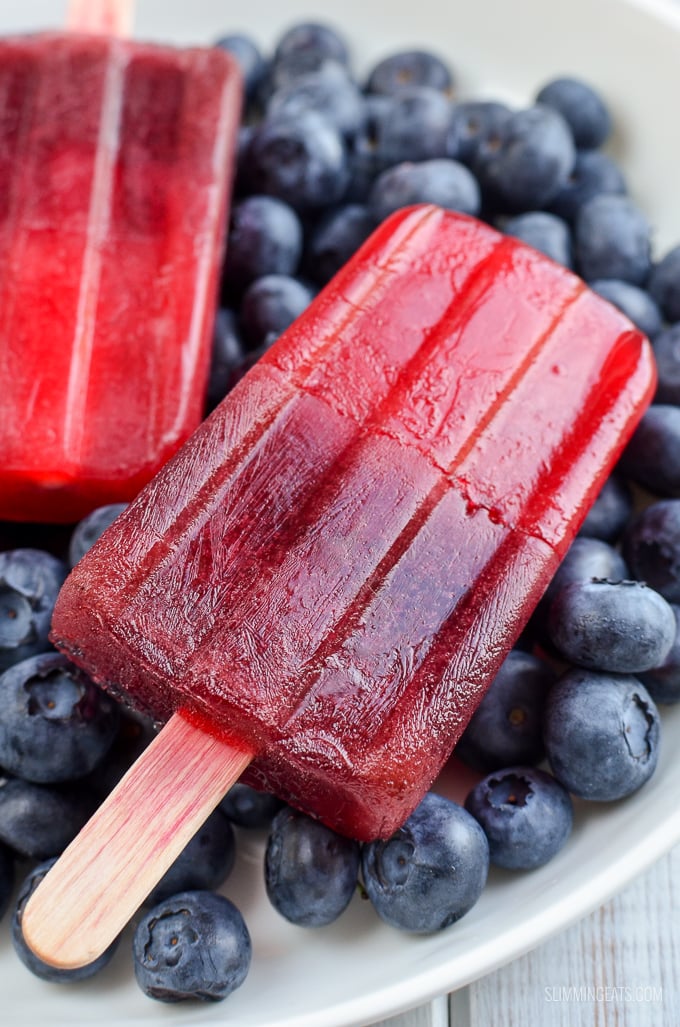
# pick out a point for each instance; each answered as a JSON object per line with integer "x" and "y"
{"x": 115, "y": 161}
{"x": 334, "y": 567}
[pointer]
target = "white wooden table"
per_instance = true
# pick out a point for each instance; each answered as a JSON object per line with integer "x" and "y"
{"x": 619, "y": 967}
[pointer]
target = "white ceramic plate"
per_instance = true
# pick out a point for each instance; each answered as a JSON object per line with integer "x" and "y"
{"x": 359, "y": 971}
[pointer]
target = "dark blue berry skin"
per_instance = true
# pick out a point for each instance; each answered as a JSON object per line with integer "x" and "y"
{"x": 526, "y": 816}
{"x": 270, "y": 305}
{"x": 620, "y": 626}
{"x": 593, "y": 174}
{"x": 134, "y": 734}
{"x": 364, "y": 157}
{"x": 506, "y": 728}
{"x": 546, "y": 232}
{"x": 30, "y": 580}
{"x": 410, "y": 68}
{"x": 632, "y": 301}
{"x": 612, "y": 240}
{"x": 582, "y": 108}
{"x": 55, "y": 723}
{"x": 39, "y": 821}
{"x": 265, "y": 238}
{"x": 530, "y": 161}
{"x": 601, "y": 734}
{"x": 431, "y": 871}
{"x": 87, "y": 531}
{"x": 194, "y": 945}
{"x": 609, "y": 514}
{"x": 587, "y": 558}
{"x": 250, "y": 60}
{"x": 663, "y": 682}
{"x": 443, "y": 182}
{"x": 249, "y": 807}
{"x": 329, "y": 92}
{"x": 203, "y": 865}
{"x": 53, "y": 974}
{"x": 651, "y": 546}
{"x": 302, "y": 161}
{"x": 667, "y": 355}
{"x": 335, "y": 238}
{"x": 6, "y": 878}
{"x": 312, "y": 38}
{"x": 227, "y": 357}
{"x": 652, "y": 457}
{"x": 310, "y": 871}
{"x": 414, "y": 126}
{"x": 664, "y": 284}
{"x": 475, "y": 130}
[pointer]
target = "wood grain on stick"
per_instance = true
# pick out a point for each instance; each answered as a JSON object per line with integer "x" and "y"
{"x": 124, "y": 850}
{"x": 102, "y": 17}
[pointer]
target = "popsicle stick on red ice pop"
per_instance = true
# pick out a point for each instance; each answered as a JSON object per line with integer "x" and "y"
{"x": 331, "y": 571}
{"x": 132, "y": 840}
{"x": 109, "y": 17}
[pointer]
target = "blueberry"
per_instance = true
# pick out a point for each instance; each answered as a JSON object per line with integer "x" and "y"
{"x": 249, "y": 807}
{"x": 601, "y": 734}
{"x": 583, "y": 109}
{"x": 247, "y": 53}
{"x": 337, "y": 236}
{"x": 329, "y": 92}
{"x": 30, "y": 580}
{"x": 265, "y": 238}
{"x": 663, "y": 681}
{"x": 664, "y": 284}
{"x": 667, "y": 355}
{"x": 620, "y": 626}
{"x": 87, "y": 531}
{"x": 475, "y": 130}
{"x": 311, "y": 872}
{"x": 612, "y": 240}
{"x": 204, "y": 863}
{"x": 45, "y": 971}
{"x": 38, "y": 821}
{"x": 134, "y": 734}
{"x": 652, "y": 457}
{"x": 6, "y": 878}
{"x": 227, "y": 357}
{"x": 365, "y": 158}
{"x": 194, "y": 945}
{"x": 593, "y": 173}
{"x": 431, "y": 871}
{"x": 526, "y": 816}
{"x": 587, "y": 558}
{"x": 546, "y": 232}
{"x": 651, "y": 546}
{"x": 414, "y": 125}
{"x": 506, "y": 728}
{"x": 446, "y": 183}
{"x": 55, "y": 723}
{"x": 632, "y": 301}
{"x": 312, "y": 38}
{"x": 270, "y": 305}
{"x": 302, "y": 161}
{"x": 409, "y": 68}
{"x": 529, "y": 160}
{"x": 609, "y": 514}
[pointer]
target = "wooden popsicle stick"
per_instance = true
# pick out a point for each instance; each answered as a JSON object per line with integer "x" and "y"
{"x": 125, "y": 848}
{"x": 101, "y": 17}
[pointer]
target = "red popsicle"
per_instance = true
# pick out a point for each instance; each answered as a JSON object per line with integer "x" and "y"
{"x": 115, "y": 163}
{"x": 328, "y": 575}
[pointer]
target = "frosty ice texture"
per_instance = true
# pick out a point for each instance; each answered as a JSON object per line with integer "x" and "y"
{"x": 115, "y": 160}
{"x": 335, "y": 565}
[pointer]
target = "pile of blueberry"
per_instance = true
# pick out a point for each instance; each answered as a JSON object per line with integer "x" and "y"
{"x": 322, "y": 160}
